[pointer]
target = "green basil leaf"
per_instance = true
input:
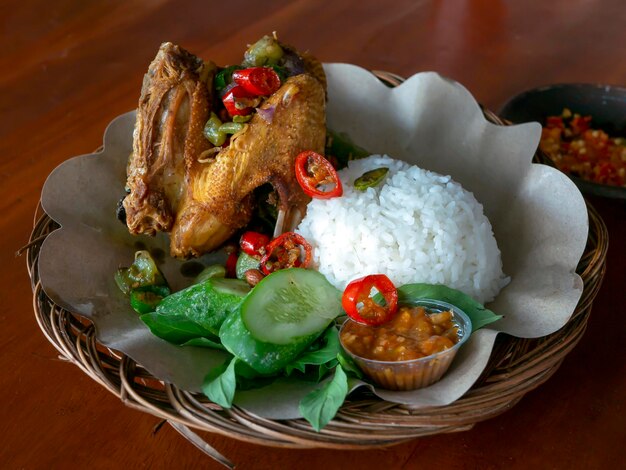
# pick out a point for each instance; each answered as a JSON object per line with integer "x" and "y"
{"x": 324, "y": 369}
{"x": 218, "y": 370}
{"x": 221, "y": 389}
{"x": 177, "y": 329}
{"x": 204, "y": 343}
{"x": 478, "y": 314}
{"x": 324, "y": 354}
{"x": 243, "y": 370}
{"x": 348, "y": 365}
{"x": 248, "y": 378}
{"x": 322, "y": 404}
{"x": 208, "y": 303}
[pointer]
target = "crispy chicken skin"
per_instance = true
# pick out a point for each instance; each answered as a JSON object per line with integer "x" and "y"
{"x": 202, "y": 196}
{"x": 173, "y": 106}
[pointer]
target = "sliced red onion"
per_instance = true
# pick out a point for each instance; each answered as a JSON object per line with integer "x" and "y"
{"x": 227, "y": 88}
{"x": 293, "y": 63}
{"x": 267, "y": 114}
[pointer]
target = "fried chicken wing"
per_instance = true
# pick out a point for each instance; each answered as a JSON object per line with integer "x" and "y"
{"x": 202, "y": 195}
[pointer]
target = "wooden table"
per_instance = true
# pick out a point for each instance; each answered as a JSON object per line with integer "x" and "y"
{"x": 68, "y": 67}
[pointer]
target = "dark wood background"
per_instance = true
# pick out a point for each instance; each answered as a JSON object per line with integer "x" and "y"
{"x": 68, "y": 67}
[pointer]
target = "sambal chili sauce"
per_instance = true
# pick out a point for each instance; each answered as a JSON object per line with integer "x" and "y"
{"x": 578, "y": 150}
{"x": 411, "y": 334}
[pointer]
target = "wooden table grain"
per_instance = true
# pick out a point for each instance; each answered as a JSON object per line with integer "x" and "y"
{"x": 68, "y": 67}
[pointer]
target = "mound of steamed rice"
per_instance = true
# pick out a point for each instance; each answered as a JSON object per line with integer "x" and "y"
{"x": 416, "y": 226}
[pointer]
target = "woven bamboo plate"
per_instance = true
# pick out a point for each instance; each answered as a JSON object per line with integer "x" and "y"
{"x": 516, "y": 367}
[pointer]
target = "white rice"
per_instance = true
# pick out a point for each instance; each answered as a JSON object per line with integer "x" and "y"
{"x": 416, "y": 226}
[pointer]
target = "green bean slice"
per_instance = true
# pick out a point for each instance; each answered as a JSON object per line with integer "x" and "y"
{"x": 231, "y": 127}
{"x": 242, "y": 119}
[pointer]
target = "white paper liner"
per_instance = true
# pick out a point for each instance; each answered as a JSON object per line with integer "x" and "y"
{"x": 538, "y": 216}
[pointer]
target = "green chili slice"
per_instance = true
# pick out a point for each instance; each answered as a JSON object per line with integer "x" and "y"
{"x": 215, "y": 270}
{"x": 145, "y": 299}
{"x": 266, "y": 51}
{"x": 212, "y": 131}
{"x": 143, "y": 272}
{"x": 216, "y": 131}
{"x": 370, "y": 179}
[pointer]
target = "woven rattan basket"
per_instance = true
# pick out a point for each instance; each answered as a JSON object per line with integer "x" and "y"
{"x": 516, "y": 367}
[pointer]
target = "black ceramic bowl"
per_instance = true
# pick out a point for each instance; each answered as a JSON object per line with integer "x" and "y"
{"x": 606, "y": 105}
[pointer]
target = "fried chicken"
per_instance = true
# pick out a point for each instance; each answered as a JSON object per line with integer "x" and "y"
{"x": 202, "y": 195}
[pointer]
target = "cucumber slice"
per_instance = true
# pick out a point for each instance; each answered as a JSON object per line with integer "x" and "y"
{"x": 289, "y": 304}
{"x": 265, "y": 358}
{"x": 207, "y": 303}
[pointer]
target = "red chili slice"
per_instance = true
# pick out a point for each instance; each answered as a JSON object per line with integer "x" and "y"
{"x": 361, "y": 307}
{"x": 313, "y": 172}
{"x": 258, "y": 81}
{"x": 232, "y": 100}
{"x": 253, "y": 243}
{"x": 285, "y": 252}
{"x": 231, "y": 265}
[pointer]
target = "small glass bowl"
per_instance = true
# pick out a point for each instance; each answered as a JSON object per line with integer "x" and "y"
{"x": 415, "y": 373}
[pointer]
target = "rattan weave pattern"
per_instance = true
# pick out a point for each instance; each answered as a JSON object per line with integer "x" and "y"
{"x": 516, "y": 367}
